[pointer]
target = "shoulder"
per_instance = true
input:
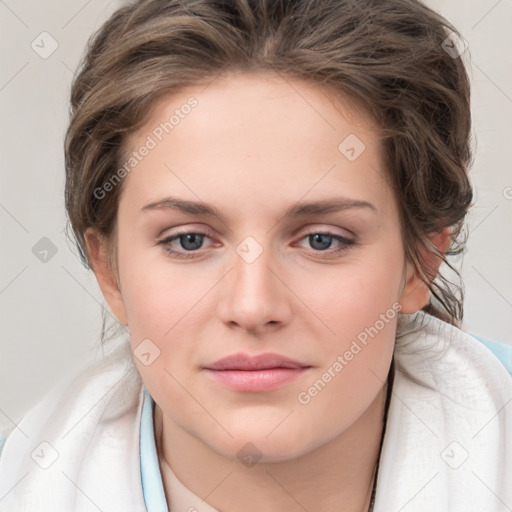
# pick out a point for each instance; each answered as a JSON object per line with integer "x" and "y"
{"x": 443, "y": 356}
{"x": 71, "y": 393}
{"x": 84, "y": 426}
{"x": 448, "y": 410}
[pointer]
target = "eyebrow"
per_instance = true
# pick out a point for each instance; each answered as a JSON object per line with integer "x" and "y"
{"x": 298, "y": 209}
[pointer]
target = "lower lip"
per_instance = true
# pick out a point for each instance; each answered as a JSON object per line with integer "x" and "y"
{"x": 256, "y": 380}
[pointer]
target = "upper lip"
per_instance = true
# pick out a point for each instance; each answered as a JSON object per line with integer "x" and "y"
{"x": 241, "y": 361}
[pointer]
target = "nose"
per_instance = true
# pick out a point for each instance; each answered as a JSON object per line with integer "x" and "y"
{"x": 255, "y": 295}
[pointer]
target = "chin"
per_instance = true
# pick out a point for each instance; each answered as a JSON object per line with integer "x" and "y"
{"x": 252, "y": 446}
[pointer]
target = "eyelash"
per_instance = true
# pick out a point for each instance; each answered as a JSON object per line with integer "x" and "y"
{"x": 345, "y": 243}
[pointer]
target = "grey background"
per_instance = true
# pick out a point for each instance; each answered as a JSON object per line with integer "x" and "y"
{"x": 51, "y": 312}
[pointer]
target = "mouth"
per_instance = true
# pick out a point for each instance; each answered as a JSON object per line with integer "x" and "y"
{"x": 264, "y": 372}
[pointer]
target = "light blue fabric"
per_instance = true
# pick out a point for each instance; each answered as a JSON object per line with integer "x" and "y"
{"x": 503, "y": 351}
{"x": 152, "y": 486}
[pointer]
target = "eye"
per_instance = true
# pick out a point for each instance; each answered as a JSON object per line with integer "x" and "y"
{"x": 189, "y": 241}
{"x": 321, "y": 241}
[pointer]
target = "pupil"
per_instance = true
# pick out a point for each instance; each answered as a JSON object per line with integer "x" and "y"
{"x": 320, "y": 237}
{"x": 192, "y": 237}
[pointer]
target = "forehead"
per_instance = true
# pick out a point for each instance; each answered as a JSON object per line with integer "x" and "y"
{"x": 253, "y": 100}
{"x": 259, "y": 136}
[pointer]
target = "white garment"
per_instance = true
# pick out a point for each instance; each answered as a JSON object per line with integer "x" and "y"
{"x": 92, "y": 426}
{"x": 448, "y": 443}
{"x": 447, "y": 448}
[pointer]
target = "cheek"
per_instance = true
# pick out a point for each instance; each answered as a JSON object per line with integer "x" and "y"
{"x": 166, "y": 309}
{"x": 349, "y": 297}
{"x": 156, "y": 293}
{"x": 358, "y": 308}
{"x": 356, "y": 359}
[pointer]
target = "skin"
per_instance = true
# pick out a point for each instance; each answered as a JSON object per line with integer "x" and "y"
{"x": 254, "y": 145}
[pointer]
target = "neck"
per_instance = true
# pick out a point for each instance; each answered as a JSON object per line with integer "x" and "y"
{"x": 341, "y": 471}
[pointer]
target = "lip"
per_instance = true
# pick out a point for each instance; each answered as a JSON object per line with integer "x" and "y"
{"x": 246, "y": 362}
{"x": 260, "y": 373}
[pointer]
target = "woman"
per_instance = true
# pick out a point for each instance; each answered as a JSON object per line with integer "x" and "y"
{"x": 265, "y": 192}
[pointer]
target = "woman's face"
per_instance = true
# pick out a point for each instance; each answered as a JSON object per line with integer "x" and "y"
{"x": 259, "y": 151}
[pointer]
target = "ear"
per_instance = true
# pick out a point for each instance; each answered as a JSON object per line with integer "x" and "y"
{"x": 416, "y": 293}
{"x": 98, "y": 255}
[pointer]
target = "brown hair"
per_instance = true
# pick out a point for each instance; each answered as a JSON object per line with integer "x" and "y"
{"x": 390, "y": 55}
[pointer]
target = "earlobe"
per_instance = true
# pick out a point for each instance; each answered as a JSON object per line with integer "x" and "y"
{"x": 97, "y": 249}
{"x": 416, "y": 293}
